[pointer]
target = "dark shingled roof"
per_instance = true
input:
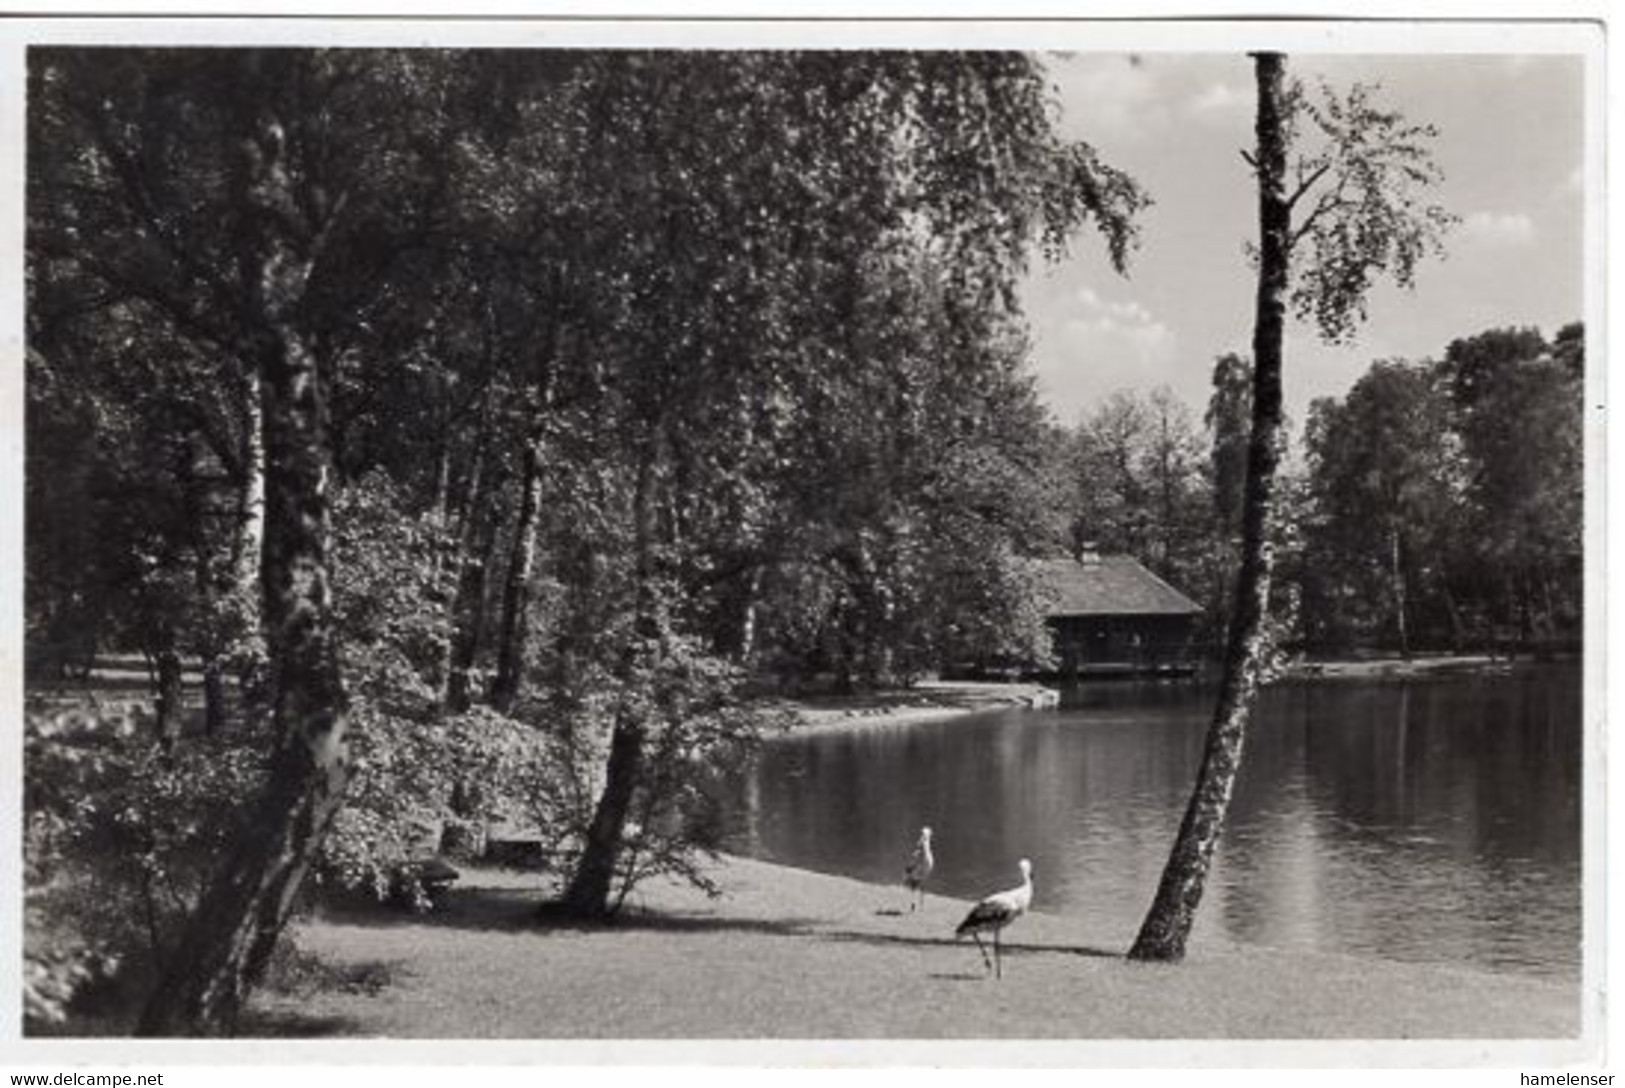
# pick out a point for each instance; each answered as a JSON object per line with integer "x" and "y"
{"x": 1112, "y": 585}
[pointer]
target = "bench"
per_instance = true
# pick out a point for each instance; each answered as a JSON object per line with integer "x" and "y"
{"x": 433, "y": 875}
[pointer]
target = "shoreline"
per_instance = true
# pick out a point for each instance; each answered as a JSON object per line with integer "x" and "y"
{"x": 792, "y": 954}
{"x": 928, "y": 700}
{"x": 931, "y": 700}
{"x": 1399, "y": 667}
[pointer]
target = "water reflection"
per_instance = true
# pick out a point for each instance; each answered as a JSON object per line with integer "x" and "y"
{"x": 1434, "y": 820}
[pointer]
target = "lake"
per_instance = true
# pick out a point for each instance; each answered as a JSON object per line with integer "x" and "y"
{"x": 1428, "y": 820}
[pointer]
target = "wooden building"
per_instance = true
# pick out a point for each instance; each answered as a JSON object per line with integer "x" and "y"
{"x": 1111, "y": 616}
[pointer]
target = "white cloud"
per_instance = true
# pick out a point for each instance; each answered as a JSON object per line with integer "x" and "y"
{"x": 1499, "y": 229}
{"x": 1146, "y": 339}
{"x": 1111, "y": 95}
{"x": 1218, "y": 101}
{"x": 1092, "y": 309}
{"x": 1099, "y": 346}
{"x": 1126, "y": 321}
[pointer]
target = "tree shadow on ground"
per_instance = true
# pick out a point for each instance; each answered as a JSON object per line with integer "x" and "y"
{"x": 473, "y": 908}
{"x": 297, "y": 976}
{"x": 289, "y": 1024}
{"x": 691, "y": 923}
{"x": 514, "y": 910}
{"x": 1004, "y": 948}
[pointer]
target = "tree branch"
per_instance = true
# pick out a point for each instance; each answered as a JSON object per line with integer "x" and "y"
{"x": 1305, "y": 184}
{"x": 141, "y": 202}
{"x": 325, "y": 232}
{"x": 192, "y": 325}
{"x": 1328, "y": 204}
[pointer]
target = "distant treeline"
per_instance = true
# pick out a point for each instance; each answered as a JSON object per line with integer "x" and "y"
{"x": 1437, "y": 506}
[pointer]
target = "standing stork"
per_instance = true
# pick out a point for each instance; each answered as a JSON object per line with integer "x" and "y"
{"x": 997, "y": 911}
{"x": 918, "y": 871}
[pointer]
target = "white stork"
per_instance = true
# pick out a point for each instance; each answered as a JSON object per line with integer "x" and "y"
{"x": 918, "y": 871}
{"x": 997, "y": 911}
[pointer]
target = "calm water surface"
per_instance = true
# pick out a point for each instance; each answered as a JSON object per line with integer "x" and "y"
{"x": 1432, "y": 820}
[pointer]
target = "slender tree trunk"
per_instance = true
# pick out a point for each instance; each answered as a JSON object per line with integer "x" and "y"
{"x": 1167, "y": 926}
{"x": 214, "y": 696}
{"x": 587, "y": 895}
{"x": 1526, "y": 609}
{"x": 469, "y": 630}
{"x": 441, "y": 503}
{"x": 479, "y": 474}
{"x": 250, "y": 542}
{"x": 456, "y": 548}
{"x": 1548, "y": 605}
{"x": 745, "y": 648}
{"x": 228, "y": 939}
{"x": 515, "y": 630}
{"x": 454, "y": 543}
{"x": 476, "y": 538}
{"x": 168, "y": 708}
{"x": 1457, "y": 634}
{"x": 209, "y": 651}
{"x": 1401, "y": 599}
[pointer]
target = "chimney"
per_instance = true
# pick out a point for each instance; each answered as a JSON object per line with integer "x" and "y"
{"x": 1089, "y": 553}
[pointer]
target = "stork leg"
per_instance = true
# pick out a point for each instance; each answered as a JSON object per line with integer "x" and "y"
{"x": 980, "y": 947}
{"x": 998, "y": 962}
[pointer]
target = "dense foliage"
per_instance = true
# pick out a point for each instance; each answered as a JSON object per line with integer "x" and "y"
{"x": 1435, "y": 507}
{"x": 641, "y": 384}
{"x": 560, "y": 395}
{"x": 1446, "y": 509}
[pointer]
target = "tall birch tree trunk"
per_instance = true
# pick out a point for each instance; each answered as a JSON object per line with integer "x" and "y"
{"x": 1167, "y": 926}
{"x": 230, "y": 936}
{"x": 477, "y": 535}
{"x": 587, "y": 895}
{"x": 468, "y": 610}
{"x": 250, "y": 542}
{"x": 515, "y": 622}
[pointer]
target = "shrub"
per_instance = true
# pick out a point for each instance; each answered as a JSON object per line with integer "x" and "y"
{"x": 698, "y": 730}
{"x": 120, "y": 836}
{"x": 412, "y": 775}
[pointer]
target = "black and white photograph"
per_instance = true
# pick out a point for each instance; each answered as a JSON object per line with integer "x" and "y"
{"x": 901, "y": 535}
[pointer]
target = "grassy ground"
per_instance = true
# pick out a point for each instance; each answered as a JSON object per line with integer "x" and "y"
{"x": 789, "y": 954}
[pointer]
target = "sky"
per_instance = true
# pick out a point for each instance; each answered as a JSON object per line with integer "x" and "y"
{"x": 1511, "y": 145}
